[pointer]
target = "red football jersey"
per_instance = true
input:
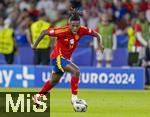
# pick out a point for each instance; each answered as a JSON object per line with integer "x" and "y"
{"x": 66, "y": 40}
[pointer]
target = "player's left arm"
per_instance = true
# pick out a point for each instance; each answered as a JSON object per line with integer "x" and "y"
{"x": 88, "y": 31}
{"x": 99, "y": 40}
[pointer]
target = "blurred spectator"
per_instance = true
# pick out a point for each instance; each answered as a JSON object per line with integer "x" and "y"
{"x": 2, "y": 9}
{"x": 136, "y": 9}
{"x": 20, "y": 32}
{"x": 61, "y": 21}
{"x": 121, "y": 33}
{"x": 142, "y": 34}
{"x": 93, "y": 18}
{"x": 146, "y": 64}
{"x": 34, "y": 12}
{"x": 131, "y": 34}
{"x": 104, "y": 5}
{"x": 8, "y": 46}
{"x": 128, "y": 5}
{"x": 105, "y": 28}
{"x": 24, "y": 14}
{"x": 143, "y": 5}
{"x": 62, "y": 5}
{"x": 148, "y": 11}
{"x": 132, "y": 51}
{"x": 12, "y": 18}
{"x": 118, "y": 10}
{"x": 45, "y": 4}
{"x": 49, "y": 7}
{"x": 86, "y": 5}
{"x": 24, "y": 5}
{"x": 41, "y": 54}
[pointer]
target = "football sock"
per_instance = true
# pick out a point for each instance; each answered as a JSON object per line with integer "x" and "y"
{"x": 74, "y": 85}
{"x": 47, "y": 86}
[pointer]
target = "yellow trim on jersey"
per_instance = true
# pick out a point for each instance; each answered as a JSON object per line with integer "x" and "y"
{"x": 60, "y": 52}
{"x": 58, "y": 61}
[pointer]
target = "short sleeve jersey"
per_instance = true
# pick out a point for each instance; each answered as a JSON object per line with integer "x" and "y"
{"x": 66, "y": 40}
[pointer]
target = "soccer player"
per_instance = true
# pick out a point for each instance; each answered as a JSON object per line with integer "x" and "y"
{"x": 67, "y": 40}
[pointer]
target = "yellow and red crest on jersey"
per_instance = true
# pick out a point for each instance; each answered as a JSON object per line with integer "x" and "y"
{"x": 77, "y": 37}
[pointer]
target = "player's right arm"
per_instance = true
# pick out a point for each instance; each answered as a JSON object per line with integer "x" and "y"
{"x": 42, "y": 34}
{"x": 54, "y": 32}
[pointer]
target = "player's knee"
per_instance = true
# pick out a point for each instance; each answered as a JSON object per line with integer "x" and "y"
{"x": 77, "y": 73}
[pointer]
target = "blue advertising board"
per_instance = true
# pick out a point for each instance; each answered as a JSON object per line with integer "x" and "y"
{"x": 97, "y": 78}
{"x": 17, "y": 76}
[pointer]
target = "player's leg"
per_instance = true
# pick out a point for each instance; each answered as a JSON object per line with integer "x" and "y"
{"x": 56, "y": 75}
{"x": 46, "y": 88}
{"x": 50, "y": 84}
{"x": 63, "y": 65}
{"x": 72, "y": 68}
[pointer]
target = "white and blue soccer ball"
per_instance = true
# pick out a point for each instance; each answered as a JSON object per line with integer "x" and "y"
{"x": 80, "y": 106}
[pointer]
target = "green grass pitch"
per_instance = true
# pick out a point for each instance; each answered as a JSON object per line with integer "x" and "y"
{"x": 101, "y": 103}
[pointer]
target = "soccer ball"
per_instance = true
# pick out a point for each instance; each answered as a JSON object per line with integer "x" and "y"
{"x": 80, "y": 106}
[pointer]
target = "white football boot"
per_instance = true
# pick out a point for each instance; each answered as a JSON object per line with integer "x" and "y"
{"x": 74, "y": 99}
{"x": 37, "y": 100}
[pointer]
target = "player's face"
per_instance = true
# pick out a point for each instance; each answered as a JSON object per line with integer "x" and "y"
{"x": 74, "y": 26}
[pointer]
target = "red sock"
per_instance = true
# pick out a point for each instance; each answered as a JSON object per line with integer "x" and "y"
{"x": 74, "y": 85}
{"x": 47, "y": 86}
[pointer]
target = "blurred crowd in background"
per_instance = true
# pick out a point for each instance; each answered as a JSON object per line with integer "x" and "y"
{"x": 122, "y": 23}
